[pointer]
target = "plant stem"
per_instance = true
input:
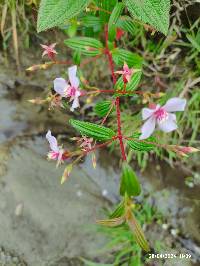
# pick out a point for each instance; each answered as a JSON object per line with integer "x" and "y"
{"x": 117, "y": 102}
{"x": 99, "y": 146}
{"x": 120, "y": 137}
{"x": 110, "y": 59}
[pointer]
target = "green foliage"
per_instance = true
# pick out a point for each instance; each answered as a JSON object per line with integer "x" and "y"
{"x": 85, "y": 45}
{"x": 127, "y": 24}
{"x": 195, "y": 41}
{"x": 56, "y": 12}
{"x": 113, "y": 19}
{"x": 131, "y": 86}
{"x": 141, "y": 145}
{"x": 92, "y": 130}
{"x": 129, "y": 183}
{"x": 102, "y": 108}
{"x": 91, "y": 21}
{"x": 121, "y": 241}
{"x": 118, "y": 211}
{"x": 107, "y": 6}
{"x": 152, "y": 12}
{"x": 121, "y": 55}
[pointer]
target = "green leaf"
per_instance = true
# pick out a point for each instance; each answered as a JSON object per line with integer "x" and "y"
{"x": 131, "y": 85}
{"x": 105, "y": 5}
{"x": 194, "y": 42}
{"x": 129, "y": 183}
{"x": 113, "y": 20}
{"x": 86, "y": 45}
{"x": 119, "y": 211}
{"x": 134, "y": 82}
{"x": 102, "y": 108}
{"x": 93, "y": 130}
{"x": 112, "y": 222}
{"x": 141, "y": 145}
{"x": 77, "y": 57}
{"x": 153, "y": 12}
{"x": 121, "y": 55}
{"x": 127, "y": 24}
{"x": 137, "y": 230}
{"x": 56, "y": 12}
{"x": 92, "y": 21}
{"x": 71, "y": 30}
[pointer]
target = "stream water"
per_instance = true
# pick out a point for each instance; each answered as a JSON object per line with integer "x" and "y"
{"x": 44, "y": 223}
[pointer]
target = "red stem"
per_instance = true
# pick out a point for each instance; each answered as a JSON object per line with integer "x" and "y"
{"x": 117, "y": 102}
{"x": 110, "y": 59}
{"x": 99, "y": 146}
{"x": 120, "y": 137}
{"x": 118, "y": 91}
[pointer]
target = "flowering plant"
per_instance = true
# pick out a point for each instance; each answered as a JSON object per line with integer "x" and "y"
{"x": 108, "y": 21}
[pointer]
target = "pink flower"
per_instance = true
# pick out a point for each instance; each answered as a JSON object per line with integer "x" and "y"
{"x": 56, "y": 153}
{"x": 49, "y": 50}
{"x": 86, "y": 143}
{"x": 126, "y": 73}
{"x": 65, "y": 90}
{"x": 183, "y": 150}
{"x": 162, "y": 117}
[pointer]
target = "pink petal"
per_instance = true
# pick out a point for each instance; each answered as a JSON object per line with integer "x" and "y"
{"x": 125, "y": 67}
{"x": 72, "y": 76}
{"x": 44, "y": 46}
{"x": 53, "y": 51}
{"x": 44, "y": 53}
{"x": 147, "y": 112}
{"x": 168, "y": 125}
{"x": 78, "y": 93}
{"x": 52, "y": 45}
{"x": 52, "y": 142}
{"x": 127, "y": 77}
{"x": 148, "y": 128}
{"x": 175, "y": 104}
{"x": 120, "y": 72}
{"x": 75, "y": 104}
{"x": 52, "y": 155}
{"x": 60, "y": 86}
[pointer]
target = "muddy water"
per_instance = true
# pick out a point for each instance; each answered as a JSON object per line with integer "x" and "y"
{"x": 44, "y": 223}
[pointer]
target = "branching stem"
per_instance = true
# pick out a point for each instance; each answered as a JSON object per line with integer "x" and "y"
{"x": 117, "y": 102}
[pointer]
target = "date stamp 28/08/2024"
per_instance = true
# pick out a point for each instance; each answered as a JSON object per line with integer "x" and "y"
{"x": 170, "y": 256}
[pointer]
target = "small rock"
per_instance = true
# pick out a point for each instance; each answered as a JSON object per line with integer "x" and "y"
{"x": 79, "y": 193}
{"x": 19, "y": 209}
{"x": 104, "y": 192}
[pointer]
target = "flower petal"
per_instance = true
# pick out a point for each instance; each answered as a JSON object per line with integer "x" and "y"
{"x": 125, "y": 67}
{"x": 128, "y": 77}
{"x": 148, "y": 128}
{"x": 175, "y": 104}
{"x": 75, "y": 104}
{"x": 52, "y": 142}
{"x": 60, "y": 86}
{"x": 72, "y": 76}
{"x": 147, "y": 112}
{"x": 120, "y": 72}
{"x": 52, "y": 46}
{"x": 168, "y": 125}
{"x": 44, "y": 46}
{"x": 44, "y": 53}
